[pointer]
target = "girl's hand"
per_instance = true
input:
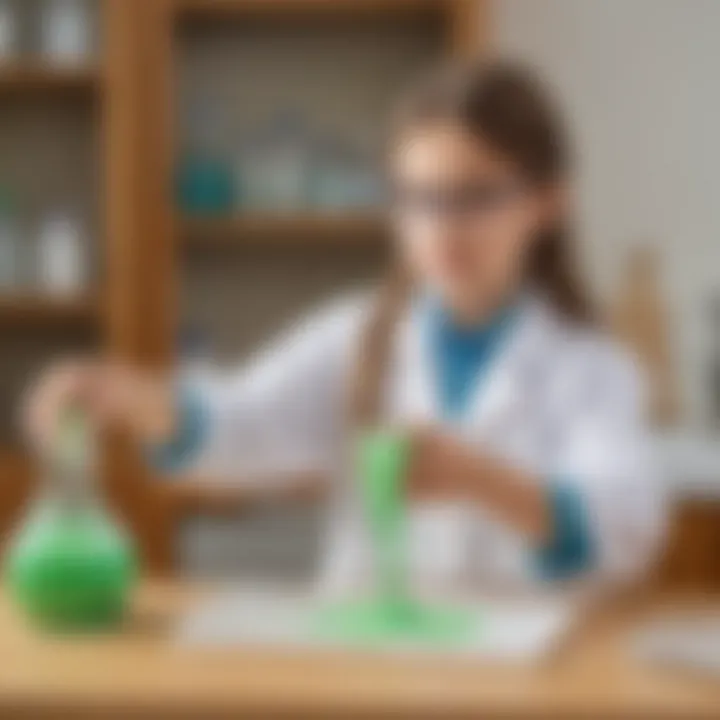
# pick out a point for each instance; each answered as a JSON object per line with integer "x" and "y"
{"x": 441, "y": 468}
{"x": 110, "y": 394}
{"x": 445, "y": 469}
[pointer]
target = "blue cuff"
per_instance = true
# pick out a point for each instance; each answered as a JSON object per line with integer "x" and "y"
{"x": 178, "y": 453}
{"x": 571, "y": 550}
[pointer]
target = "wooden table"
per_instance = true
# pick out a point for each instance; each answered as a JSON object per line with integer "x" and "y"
{"x": 139, "y": 674}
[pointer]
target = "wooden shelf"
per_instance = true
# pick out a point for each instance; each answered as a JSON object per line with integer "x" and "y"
{"x": 17, "y": 484}
{"x": 286, "y": 230}
{"x": 223, "y": 8}
{"x": 189, "y": 497}
{"x": 38, "y": 76}
{"x": 35, "y": 309}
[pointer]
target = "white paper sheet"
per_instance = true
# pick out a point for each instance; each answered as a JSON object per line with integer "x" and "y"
{"x": 508, "y": 630}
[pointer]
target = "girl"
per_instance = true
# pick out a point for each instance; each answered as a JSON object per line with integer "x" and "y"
{"x": 529, "y": 457}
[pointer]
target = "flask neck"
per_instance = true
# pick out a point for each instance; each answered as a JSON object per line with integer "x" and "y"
{"x": 71, "y": 488}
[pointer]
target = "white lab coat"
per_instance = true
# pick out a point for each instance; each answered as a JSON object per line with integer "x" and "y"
{"x": 561, "y": 401}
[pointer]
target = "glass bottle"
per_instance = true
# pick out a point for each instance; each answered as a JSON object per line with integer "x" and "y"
{"x": 70, "y": 566}
{"x": 8, "y": 30}
{"x": 61, "y": 261}
{"x": 276, "y": 164}
{"x": 345, "y": 180}
{"x": 9, "y": 245}
{"x": 66, "y": 34}
{"x": 205, "y": 182}
{"x": 196, "y": 365}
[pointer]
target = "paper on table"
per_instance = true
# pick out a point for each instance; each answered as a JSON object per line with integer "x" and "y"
{"x": 692, "y": 642}
{"x": 512, "y": 631}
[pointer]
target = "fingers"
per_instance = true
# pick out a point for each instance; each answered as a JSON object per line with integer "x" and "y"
{"x": 138, "y": 402}
{"x": 90, "y": 385}
{"x": 65, "y": 385}
{"x": 437, "y": 469}
{"x": 108, "y": 393}
{"x": 423, "y": 477}
{"x": 111, "y": 394}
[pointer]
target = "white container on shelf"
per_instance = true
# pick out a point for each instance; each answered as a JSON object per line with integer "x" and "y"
{"x": 196, "y": 364}
{"x": 345, "y": 179}
{"x": 273, "y": 170}
{"x": 10, "y": 244}
{"x": 65, "y": 30}
{"x": 61, "y": 256}
{"x": 9, "y": 255}
{"x": 8, "y": 30}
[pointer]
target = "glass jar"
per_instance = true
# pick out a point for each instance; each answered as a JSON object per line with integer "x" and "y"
{"x": 61, "y": 256}
{"x": 9, "y": 246}
{"x": 71, "y": 566}
{"x": 275, "y": 166}
{"x": 8, "y": 30}
{"x": 65, "y": 31}
{"x": 205, "y": 185}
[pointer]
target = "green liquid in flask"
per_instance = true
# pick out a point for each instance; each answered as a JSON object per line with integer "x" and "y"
{"x": 70, "y": 567}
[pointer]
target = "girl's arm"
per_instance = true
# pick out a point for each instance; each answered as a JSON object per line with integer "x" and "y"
{"x": 280, "y": 415}
{"x": 283, "y": 412}
{"x": 605, "y": 460}
{"x": 601, "y": 510}
{"x": 443, "y": 467}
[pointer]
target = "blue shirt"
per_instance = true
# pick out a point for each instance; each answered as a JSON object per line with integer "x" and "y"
{"x": 462, "y": 356}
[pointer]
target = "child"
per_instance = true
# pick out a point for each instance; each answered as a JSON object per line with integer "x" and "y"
{"x": 530, "y": 458}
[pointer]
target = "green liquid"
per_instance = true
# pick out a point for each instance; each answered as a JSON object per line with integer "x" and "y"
{"x": 71, "y": 569}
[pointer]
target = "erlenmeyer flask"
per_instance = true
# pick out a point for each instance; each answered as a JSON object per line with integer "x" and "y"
{"x": 70, "y": 565}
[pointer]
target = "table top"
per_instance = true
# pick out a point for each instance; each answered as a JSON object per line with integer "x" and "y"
{"x": 139, "y": 672}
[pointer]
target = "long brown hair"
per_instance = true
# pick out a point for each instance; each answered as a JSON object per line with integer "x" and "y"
{"x": 506, "y": 106}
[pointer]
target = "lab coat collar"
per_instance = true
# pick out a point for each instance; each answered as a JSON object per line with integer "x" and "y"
{"x": 495, "y": 399}
{"x": 499, "y": 400}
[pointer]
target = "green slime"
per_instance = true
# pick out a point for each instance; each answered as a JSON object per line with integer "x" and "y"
{"x": 392, "y": 615}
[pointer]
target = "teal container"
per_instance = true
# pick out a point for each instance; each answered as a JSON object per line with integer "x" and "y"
{"x": 205, "y": 186}
{"x": 71, "y": 568}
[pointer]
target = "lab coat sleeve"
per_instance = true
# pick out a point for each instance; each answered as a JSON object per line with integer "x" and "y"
{"x": 570, "y": 550}
{"x": 280, "y": 415}
{"x": 604, "y": 456}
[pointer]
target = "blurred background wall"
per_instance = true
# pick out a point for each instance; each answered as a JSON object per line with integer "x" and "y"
{"x": 639, "y": 79}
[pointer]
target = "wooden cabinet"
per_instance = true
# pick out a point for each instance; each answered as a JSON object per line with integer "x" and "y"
{"x": 691, "y": 559}
{"x": 108, "y": 134}
{"x": 113, "y": 131}
{"x": 58, "y": 128}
